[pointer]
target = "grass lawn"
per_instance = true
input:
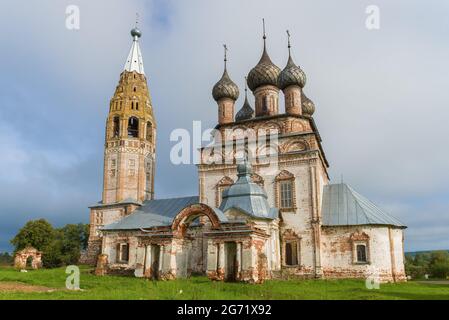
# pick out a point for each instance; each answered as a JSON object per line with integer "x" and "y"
{"x": 50, "y": 284}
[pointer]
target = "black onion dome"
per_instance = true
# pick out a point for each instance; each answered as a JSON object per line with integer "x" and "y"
{"x": 291, "y": 75}
{"x": 246, "y": 112}
{"x": 225, "y": 88}
{"x": 264, "y": 73}
{"x": 308, "y": 107}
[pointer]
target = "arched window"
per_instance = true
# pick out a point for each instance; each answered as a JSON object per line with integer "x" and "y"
{"x": 221, "y": 186}
{"x": 266, "y": 102}
{"x": 285, "y": 194}
{"x": 116, "y": 127}
{"x": 133, "y": 127}
{"x": 137, "y": 105}
{"x": 149, "y": 131}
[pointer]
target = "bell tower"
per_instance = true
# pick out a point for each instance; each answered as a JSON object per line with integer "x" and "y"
{"x": 129, "y": 154}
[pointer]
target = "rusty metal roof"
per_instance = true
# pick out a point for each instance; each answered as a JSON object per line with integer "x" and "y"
{"x": 343, "y": 206}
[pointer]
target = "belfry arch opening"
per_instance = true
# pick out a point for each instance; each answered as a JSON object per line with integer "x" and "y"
{"x": 133, "y": 127}
{"x": 116, "y": 127}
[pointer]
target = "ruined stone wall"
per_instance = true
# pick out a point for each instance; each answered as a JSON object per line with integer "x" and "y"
{"x": 385, "y": 253}
{"x": 109, "y": 248}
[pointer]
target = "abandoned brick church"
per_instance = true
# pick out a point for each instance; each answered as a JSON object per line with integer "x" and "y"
{"x": 253, "y": 219}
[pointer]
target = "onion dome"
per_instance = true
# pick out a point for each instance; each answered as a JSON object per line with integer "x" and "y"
{"x": 264, "y": 73}
{"x": 308, "y": 107}
{"x": 291, "y": 75}
{"x": 246, "y": 112}
{"x": 225, "y": 87}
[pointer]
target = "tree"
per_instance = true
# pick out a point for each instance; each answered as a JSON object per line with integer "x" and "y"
{"x": 35, "y": 233}
{"x": 73, "y": 239}
{"x": 439, "y": 264}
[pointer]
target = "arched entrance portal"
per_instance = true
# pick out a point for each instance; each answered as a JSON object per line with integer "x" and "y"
{"x": 189, "y": 244}
{"x": 187, "y": 215}
{"x": 28, "y": 258}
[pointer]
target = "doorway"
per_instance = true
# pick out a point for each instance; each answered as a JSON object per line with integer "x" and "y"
{"x": 29, "y": 262}
{"x": 230, "y": 261}
{"x": 155, "y": 253}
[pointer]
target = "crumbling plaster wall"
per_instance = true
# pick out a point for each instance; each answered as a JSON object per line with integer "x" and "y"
{"x": 385, "y": 253}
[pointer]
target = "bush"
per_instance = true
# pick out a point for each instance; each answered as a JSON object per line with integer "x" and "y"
{"x": 416, "y": 272}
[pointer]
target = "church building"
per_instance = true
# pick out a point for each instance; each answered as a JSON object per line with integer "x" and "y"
{"x": 265, "y": 209}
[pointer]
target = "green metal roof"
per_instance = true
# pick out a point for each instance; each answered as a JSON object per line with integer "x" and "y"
{"x": 343, "y": 206}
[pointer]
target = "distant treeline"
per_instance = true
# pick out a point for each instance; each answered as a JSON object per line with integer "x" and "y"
{"x": 435, "y": 264}
{"x": 5, "y": 259}
{"x": 414, "y": 253}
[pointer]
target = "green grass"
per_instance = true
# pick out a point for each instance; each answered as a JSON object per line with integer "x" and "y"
{"x": 115, "y": 287}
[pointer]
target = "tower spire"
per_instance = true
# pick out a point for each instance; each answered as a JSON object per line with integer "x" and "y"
{"x": 289, "y": 46}
{"x": 134, "y": 62}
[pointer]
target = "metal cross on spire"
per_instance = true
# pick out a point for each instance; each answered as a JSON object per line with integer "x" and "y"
{"x": 225, "y": 54}
{"x": 137, "y": 19}
{"x": 246, "y": 85}
{"x": 263, "y": 26}
{"x": 288, "y": 37}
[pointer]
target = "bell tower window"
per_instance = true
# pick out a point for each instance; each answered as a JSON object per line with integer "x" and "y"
{"x": 133, "y": 127}
{"x": 116, "y": 127}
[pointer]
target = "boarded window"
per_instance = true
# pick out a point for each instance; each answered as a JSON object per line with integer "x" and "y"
{"x": 286, "y": 194}
{"x": 361, "y": 253}
{"x": 291, "y": 253}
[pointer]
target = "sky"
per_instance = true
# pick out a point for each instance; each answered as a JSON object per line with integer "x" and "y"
{"x": 381, "y": 96}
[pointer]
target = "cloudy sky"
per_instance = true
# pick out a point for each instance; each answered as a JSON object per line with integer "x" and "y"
{"x": 381, "y": 96}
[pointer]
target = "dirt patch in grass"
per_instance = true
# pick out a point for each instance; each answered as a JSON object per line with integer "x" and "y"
{"x": 22, "y": 287}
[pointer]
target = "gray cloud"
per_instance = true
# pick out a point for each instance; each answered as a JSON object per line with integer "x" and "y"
{"x": 381, "y": 104}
